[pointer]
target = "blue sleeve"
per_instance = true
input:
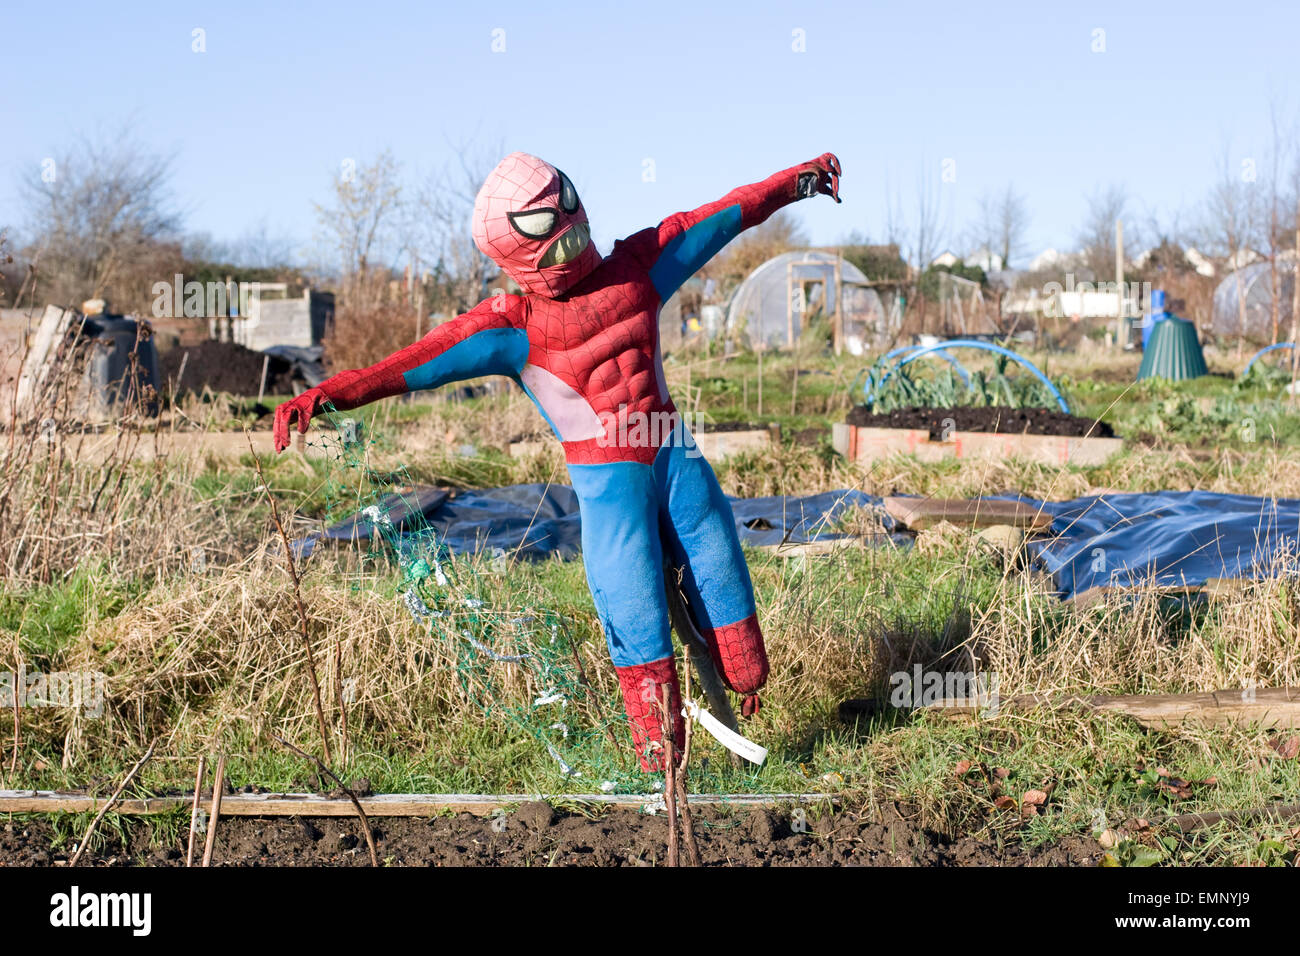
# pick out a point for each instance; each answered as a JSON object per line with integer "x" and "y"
{"x": 496, "y": 351}
{"x": 685, "y": 253}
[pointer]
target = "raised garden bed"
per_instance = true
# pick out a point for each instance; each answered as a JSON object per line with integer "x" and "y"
{"x": 931, "y": 434}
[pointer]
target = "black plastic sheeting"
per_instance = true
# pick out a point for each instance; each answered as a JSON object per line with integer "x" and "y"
{"x": 305, "y": 361}
{"x": 1117, "y": 540}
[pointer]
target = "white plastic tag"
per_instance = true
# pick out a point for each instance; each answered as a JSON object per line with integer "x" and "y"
{"x": 725, "y": 735}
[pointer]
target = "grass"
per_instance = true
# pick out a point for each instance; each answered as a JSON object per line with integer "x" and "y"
{"x": 206, "y": 655}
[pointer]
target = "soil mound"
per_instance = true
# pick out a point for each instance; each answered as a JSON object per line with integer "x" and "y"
{"x": 224, "y": 367}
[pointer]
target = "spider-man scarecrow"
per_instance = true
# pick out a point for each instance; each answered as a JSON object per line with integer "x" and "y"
{"x": 582, "y": 340}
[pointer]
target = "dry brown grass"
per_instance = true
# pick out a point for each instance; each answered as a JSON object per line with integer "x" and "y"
{"x": 1139, "y": 642}
{"x": 216, "y": 654}
{"x": 62, "y": 506}
{"x": 362, "y": 335}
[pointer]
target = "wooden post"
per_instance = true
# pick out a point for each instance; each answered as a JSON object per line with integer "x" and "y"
{"x": 684, "y": 802}
{"x": 417, "y": 296}
{"x": 794, "y": 384}
{"x": 1121, "y": 327}
{"x": 194, "y": 809}
{"x": 1295, "y": 306}
{"x": 670, "y": 775}
{"x": 789, "y": 304}
{"x": 218, "y": 785}
{"x": 261, "y": 389}
{"x": 837, "y": 327}
{"x": 180, "y": 374}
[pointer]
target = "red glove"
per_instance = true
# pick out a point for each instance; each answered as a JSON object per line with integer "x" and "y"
{"x": 822, "y": 175}
{"x": 301, "y": 408}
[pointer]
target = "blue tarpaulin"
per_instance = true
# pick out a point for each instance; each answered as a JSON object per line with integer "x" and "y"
{"x": 540, "y": 521}
{"x": 1166, "y": 538}
{"x": 1163, "y": 538}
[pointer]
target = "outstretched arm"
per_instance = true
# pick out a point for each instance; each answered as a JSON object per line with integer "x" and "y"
{"x": 487, "y": 340}
{"x": 685, "y": 241}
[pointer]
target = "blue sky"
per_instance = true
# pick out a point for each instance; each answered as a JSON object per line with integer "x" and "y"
{"x": 714, "y": 94}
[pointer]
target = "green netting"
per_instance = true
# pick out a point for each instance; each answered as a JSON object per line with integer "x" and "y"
{"x": 520, "y": 664}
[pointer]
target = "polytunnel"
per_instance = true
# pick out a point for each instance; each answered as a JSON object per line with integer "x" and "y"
{"x": 774, "y": 303}
{"x": 1256, "y": 283}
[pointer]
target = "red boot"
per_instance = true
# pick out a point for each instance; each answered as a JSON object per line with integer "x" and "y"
{"x": 642, "y": 699}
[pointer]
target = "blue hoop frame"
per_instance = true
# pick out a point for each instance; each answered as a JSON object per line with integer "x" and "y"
{"x": 1268, "y": 348}
{"x": 941, "y": 347}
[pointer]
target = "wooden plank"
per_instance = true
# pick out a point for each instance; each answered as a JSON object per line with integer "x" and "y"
{"x": 97, "y": 446}
{"x": 842, "y": 439}
{"x": 51, "y": 330}
{"x": 1275, "y": 708}
{"x": 378, "y": 805}
{"x": 920, "y": 513}
{"x": 795, "y": 549}
{"x": 1212, "y": 586}
{"x": 1276, "y": 814}
{"x": 716, "y": 446}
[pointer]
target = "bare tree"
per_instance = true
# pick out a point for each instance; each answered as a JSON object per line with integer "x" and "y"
{"x": 259, "y": 248}
{"x": 1274, "y": 215}
{"x": 364, "y": 224}
{"x": 1003, "y": 218}
{"x": 1097, "y": 239}
{"x": 895, "y": 223}
{"x": 781, "y": 233}
{"x": 929, "y": 225}
{"x": 1230, "y": 224}
{"x": 1295, "y": 287}
{"x": 920, "y": 235}
{"x": 441, "y": 225}
{"x": 102, "y": 221}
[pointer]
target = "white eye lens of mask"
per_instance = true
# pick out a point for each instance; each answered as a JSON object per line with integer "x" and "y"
{"x": 534, "y": 223}
{"x": 568, "y": 195}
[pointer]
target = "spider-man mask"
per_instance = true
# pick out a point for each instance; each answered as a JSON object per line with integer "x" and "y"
{"x": 529, "y": 220}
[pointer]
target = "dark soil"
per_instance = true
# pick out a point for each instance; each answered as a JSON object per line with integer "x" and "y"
{"x": 223, "y": 367}
{"x": 537, "y": 834}
{"x": 996, "y": 418}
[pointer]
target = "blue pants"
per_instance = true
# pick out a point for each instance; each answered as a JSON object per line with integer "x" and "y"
{"x": 634, "y": 514}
